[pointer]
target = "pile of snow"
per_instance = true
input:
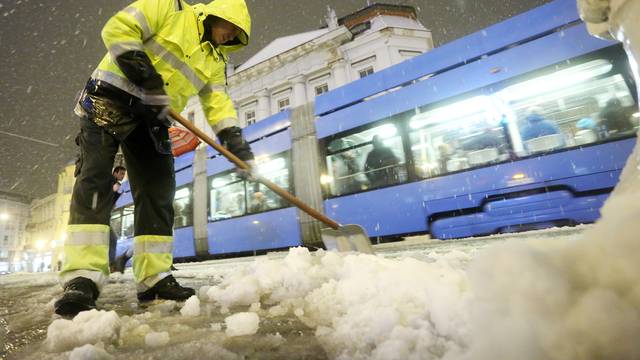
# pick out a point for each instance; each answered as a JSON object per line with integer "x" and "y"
{"x": 89, "y": 352}
{"x": 156, "y": 339}
{"x": 540, "y": 299}
{"x": 360, "y": 304}
{"x": 576, "y": 300}
{"x": 88, "y": 327}
{"x": 191, "y": 307}
{"x": 244, "y": 323}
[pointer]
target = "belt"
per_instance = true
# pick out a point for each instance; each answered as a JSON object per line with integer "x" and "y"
{"x": 104, "y": 89}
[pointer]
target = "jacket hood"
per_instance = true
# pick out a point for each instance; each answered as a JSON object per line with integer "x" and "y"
{"x": 234, "y": 11}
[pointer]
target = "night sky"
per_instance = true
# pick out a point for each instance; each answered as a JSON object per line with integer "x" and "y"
{"x": 50, "y": 47}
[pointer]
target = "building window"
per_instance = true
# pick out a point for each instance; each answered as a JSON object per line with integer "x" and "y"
{"x": 283, "y": 104}
{"x": 366, "y": 72}
{"x": 250, "y": 117}
{"x": 354, "y": 161}
{"x": 6, "y": 239}
{"x": 321, "y": 89}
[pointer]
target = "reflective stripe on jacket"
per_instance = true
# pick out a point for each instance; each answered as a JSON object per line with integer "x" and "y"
{"x": 170, "y": 33}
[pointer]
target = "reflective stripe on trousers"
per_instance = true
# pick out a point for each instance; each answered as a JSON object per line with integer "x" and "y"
{"x": 86, "y": 248}
{"x": 152, "y": 254}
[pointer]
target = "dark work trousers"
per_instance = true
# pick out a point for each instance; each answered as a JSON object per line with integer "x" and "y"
{"x": 151, "y": 175}
{"x": 113, "y": 244}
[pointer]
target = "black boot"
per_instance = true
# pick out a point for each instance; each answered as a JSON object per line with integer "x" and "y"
{"x": 167, "y": 289}
{"x": 80, "y": 294}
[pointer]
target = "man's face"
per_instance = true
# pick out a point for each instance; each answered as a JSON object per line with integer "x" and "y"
{"x": 119, "y": 175}
{"x": 223, "y": 31}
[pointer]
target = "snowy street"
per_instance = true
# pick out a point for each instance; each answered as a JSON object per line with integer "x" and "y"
{"x": 410, "y": 301}
{"x": 224, "y": 129}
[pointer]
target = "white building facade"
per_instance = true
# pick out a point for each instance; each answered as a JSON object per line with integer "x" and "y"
{"x": 14, "y": 215}
{"x": 293, "y": 70}
{"x": 46, "y": 228}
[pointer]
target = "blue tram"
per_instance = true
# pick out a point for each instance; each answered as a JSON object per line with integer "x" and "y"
{"x": 525, "y": 124}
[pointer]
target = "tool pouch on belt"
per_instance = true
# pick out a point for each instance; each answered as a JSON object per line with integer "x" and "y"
{"x": 109, "y": 109}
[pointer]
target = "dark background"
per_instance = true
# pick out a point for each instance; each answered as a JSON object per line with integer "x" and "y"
{"x": 50, "y": 47}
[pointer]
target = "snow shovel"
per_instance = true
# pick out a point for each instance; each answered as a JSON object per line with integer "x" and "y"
{"x": 348, "y": 237}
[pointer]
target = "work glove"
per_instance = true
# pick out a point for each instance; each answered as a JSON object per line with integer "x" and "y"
{"x": 231, "y": 138}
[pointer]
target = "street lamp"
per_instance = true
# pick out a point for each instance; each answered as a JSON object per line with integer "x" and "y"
{"x": 40, "y": 244}
{"x": 4, "y": 216}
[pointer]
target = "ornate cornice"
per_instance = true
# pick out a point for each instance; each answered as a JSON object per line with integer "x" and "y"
{"x": 330, "y": 40}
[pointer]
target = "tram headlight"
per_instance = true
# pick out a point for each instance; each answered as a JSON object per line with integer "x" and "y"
{"x": 326, "y": 179}
{"x": 518, "y": 176}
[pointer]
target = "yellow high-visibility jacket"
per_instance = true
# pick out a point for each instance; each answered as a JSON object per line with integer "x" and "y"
{"x": 170, "y": 33}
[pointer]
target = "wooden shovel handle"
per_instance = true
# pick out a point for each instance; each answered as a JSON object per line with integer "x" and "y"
{"x": 242, "y": 165}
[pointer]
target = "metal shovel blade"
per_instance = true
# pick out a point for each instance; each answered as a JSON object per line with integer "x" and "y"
{"x": 348, "y": 237}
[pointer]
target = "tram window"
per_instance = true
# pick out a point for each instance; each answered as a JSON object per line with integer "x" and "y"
{"x": 458, "y": 136}
{"x": 276, "y": 170}
{"x": 116, "y": 222}
{"x": 127, "y": 221}
{"x": 365, "y": 160}
{"x": 579, "y": 105}
{"x": 183, "y": 208}
{"x": 226, "y": 196}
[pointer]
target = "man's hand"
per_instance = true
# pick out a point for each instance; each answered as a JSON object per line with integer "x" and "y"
{"x": 231, "y": 138}
{"x": 116, "y": 187}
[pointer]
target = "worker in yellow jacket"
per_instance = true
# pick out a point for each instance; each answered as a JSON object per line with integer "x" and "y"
{"x": 160, "y": 53}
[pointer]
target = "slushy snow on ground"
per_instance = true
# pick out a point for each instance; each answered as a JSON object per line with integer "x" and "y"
{"x": 156, "y": 339}
{"x": 191, "y": 307}
{"x": 245, "y": 323}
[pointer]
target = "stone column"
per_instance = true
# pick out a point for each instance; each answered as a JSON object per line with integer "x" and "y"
{"x": 339, "y": 71}
{"x": 199, "y": 197}
{"x": 384, "y": 58}
{"x": 299, "y": 96}
{"x": 306, "y": 171}
{"x": 264, "y": 100}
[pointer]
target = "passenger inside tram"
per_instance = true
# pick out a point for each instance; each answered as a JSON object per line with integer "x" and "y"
{"x": 179, "y": 219}
{"x": 615, "y": 118}
{"x": 344, "y": 168}
{"x": 381, "y": 164}
{"x": 540, "y": 134}
{"x": 485, "y": 139}
{"x": 258, "y": 202}
{"x": 586, "y": 131}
